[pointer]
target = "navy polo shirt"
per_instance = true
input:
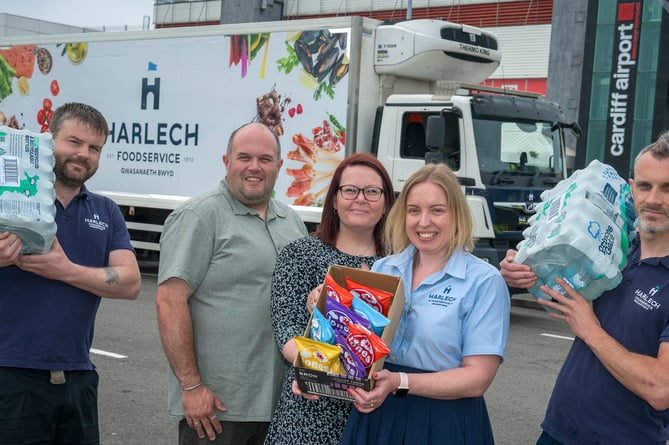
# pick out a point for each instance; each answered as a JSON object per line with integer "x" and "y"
{"x": 47, "y": 324}
{"x": 588, "y": 405}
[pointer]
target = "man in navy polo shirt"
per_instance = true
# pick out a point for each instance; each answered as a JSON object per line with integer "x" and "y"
{"x": 614, "y": 385}
{"x": 48, "y": 302}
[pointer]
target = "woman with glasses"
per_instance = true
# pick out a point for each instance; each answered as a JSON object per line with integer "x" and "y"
{"x": 350, "y": 234}
{"x": 451, "y": 337}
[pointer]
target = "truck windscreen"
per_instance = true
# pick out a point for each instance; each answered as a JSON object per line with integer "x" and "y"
{"x": 517, "y": 148}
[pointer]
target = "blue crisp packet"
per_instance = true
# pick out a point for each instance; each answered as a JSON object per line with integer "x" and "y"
{"x": 320, "y": 329}
{"x": 375, "y": 319}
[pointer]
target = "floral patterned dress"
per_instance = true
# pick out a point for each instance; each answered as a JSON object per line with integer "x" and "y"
{"x": 300, "y": 267}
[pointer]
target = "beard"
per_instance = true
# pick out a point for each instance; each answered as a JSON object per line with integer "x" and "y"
{"x": 654, "y": 225}
{"x": 69, "y": 177}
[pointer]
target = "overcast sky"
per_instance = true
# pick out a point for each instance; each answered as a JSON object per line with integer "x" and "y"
{"x": 83, "y": 13}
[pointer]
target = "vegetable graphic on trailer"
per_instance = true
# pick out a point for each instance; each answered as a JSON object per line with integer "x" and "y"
{"x": 320, "y": 56}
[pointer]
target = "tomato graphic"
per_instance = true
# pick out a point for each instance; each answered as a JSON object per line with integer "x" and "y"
{"x": 293, "y": 110}
{"x": 41, "y": 117}
{"x": 45, "y": 114}
{"x": 55, "y": 88}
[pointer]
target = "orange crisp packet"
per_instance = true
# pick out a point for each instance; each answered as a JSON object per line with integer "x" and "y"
{"x": 319, "y": 356}
{"x": 378, "y": 299}
{"x": 368, "y": 346}
{"x": 338, "y": 292}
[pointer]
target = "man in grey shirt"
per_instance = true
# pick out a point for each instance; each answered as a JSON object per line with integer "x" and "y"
{"x": 217, "y": 256}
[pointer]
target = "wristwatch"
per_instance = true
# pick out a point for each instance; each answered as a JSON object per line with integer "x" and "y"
{"x": 403, "y": 389}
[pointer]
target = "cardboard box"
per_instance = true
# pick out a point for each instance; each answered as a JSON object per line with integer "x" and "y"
{"x": 334, "y": 385}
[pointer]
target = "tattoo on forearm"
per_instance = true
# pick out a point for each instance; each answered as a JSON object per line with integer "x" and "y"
{"x": 112, "y": 276}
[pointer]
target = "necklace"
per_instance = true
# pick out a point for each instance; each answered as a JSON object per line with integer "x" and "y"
{"x": 366, "y": 249}
{"x": 355, "y": 252}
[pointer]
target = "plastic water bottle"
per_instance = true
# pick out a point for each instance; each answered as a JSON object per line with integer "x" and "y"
{"x": 582, "y": 233}
{"x": 27, "y": 192}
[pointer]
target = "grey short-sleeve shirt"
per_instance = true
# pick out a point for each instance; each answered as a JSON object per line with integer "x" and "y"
{"x": 226, "y": 253}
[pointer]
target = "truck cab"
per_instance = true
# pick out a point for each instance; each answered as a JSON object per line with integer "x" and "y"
{"x": 505, "y": 149}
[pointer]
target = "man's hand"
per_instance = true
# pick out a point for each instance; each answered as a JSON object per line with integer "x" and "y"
{"x": 573, "y": 309}
{"x": 54, "y": 264}
{"x": 199, "y": 410}
{"x": 516, "y": 274}
{"x": 10, "y": 248}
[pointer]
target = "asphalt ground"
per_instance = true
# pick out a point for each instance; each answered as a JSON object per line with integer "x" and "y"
{"x": 133, "y": 372}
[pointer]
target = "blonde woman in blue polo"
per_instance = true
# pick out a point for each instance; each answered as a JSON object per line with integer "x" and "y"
{"x": 452, "y": 335}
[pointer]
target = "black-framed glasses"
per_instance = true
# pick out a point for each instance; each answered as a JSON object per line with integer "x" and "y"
{"x": 371, "y": 194}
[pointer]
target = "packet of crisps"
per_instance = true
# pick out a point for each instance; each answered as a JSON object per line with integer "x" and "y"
{"x": 338, "y": 292}
{"x": 321, "y": 329}
{"x": 366, "y": 345}
{"x": 349, "y": 359}
{"x": 339, "y": 316}
{"x": 319, "y": 356}
{"x": 376, "y": 320}
{"x": 378, "y": 299}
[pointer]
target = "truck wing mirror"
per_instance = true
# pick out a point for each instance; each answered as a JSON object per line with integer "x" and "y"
{"x": 576, "y": 128}
{"x": 435, "y": 133}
